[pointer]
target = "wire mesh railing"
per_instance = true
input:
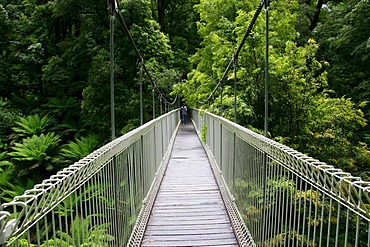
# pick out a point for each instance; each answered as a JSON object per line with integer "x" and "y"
{"x": 296, "y": 200}
{"x": 97, "y": 200}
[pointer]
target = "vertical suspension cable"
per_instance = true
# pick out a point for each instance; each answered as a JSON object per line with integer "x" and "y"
{"x": 160, "y": 105}
{"x": 112, "y": 12}
{"x": 266, "y": 67}
{"x": 153, "y": 103}
{"x": 141, "y": 92}
{"x": 235, "y": 63}
{"x": 266, "y": 5}
{"x": 221, "y": 92}
{"x": 213, "y": 104}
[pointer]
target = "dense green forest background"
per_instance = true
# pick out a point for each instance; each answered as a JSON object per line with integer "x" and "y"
{"x": 55, "y": 91}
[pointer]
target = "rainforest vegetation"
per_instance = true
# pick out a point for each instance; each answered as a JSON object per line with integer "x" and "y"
{"x": 55, "y": 90}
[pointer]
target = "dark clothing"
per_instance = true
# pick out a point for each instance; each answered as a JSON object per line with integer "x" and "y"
{"x": 183, "y": 111}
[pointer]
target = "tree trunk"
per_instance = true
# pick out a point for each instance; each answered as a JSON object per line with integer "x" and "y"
{"x": 315, "y": 18}
{"x": 161, "y": 8}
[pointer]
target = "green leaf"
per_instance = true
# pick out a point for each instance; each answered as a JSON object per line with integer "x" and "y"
{"x": 80, "y": 148}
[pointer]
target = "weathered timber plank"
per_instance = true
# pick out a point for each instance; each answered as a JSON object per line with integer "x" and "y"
{"x": 187, "y": 232}
{"x": 172, "y": 213}
{"x": 177, "y": 237}
{"x": 179, "y": 223}
{"x": 180, "y": 228}
{"x": 211, "y": 242}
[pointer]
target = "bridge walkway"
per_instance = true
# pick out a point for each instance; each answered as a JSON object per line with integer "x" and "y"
{"x": 189, "y": 210}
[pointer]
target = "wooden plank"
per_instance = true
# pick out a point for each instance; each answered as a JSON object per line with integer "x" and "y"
{"x": 193, "y": 207}
{"x": 194, "y": 222}
{"x": 189, "y": 233}
{"x": 190, "y": 227}
{"x": 189, "y": 210}
{"x": 181, "y": 237}
{"x": 174, "y": 213}
{"x": 211, "y": 242}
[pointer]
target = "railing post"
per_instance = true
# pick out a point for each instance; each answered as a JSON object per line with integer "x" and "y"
{"x": 142, "y": 163}
{"x": 116, "y": 199}
{"x": 234, "y": 163}
{"x": 221, "y": 147}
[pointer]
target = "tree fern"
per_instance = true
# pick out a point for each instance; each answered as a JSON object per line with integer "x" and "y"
{"x": 10, "y": 187}
{"x": 37, "y": 152}
{"x": 93, "y": 235}
{"x": 62, "y": 108}
{"x": 4, "y": 164}
{"x": 77, "y": 129}
{"x": 31, "y": 125}
{"x": 75, "y": 151}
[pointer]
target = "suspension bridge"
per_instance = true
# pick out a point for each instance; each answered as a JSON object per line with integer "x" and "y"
{"x": 211, "y": 182}
{"x": 159, "y": 185}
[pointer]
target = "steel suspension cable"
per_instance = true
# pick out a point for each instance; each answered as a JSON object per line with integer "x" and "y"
{"x": 236, "y": 54}
{"x": 235, "y": 62}
{"x": 141, "y": 93}
{"x": 116, "y": 10}
{"x": 112, "y": 17}
{"x": 266, "y": 6}
{"x": 153, "y": 99}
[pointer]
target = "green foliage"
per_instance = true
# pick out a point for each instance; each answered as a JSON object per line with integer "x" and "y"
{"x": 31, "y": 125}
{"x": 62, "y": 108}
{"x": 4, "y": 163}
{"x": 95, "y": 105}
{"x": 11, "y": 187}
{"x": 203, "y": 132}
{"x": 22, "y": 243}
{"x": 299, "y": 82}
{"x": 132, "y": 124}
{"x": 331, "y": 134}
{"x": 7, "y": 116}
{"x": 94, "y": 235}
{"x": 74, "y": 129}
{"x": 296, "y": 77}
{"x": 37, "y": 153}
{"x": 343, "y": 36}
{"x": 83, "y": 146}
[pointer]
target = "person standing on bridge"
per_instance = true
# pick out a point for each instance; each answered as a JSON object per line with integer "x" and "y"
{"x": 183, "y": 113}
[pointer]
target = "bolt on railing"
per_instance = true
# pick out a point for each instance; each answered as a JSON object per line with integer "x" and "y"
{"x": 97, "y": 200}
{"x": 307, "y": 202}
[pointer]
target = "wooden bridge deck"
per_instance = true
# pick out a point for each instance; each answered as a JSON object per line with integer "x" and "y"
{"x": 189, "y": 210}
